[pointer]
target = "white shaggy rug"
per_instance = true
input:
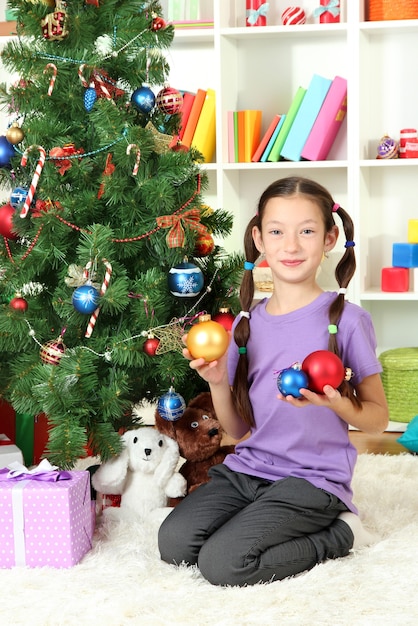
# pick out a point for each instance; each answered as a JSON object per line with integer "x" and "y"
{"x": 123, "y": 582}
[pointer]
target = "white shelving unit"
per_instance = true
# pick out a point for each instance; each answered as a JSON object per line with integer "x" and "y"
{"x": 261, "y": 67}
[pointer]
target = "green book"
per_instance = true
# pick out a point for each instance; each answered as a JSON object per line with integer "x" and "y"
{"x": 284, "y": 131}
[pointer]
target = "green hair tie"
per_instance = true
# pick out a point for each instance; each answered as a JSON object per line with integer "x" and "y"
{"x": 332, "y": 329}
{"x": 242, "y": 350}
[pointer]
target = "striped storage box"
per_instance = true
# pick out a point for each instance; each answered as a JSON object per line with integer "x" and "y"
{"x": 400, "y": 381}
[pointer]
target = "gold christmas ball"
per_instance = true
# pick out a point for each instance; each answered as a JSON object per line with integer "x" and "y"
{"x": 207, "y": 339}
{"x": 14, "y": 134}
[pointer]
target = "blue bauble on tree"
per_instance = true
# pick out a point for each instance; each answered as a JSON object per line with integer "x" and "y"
{"x": 291, "y": 380}
{"x": 143, "y": 99}
{"x": 171, "y": 405}
{"x": 7, "y": 151}
{"x": 185, "y": 280}
{"x": 86, "y": 299}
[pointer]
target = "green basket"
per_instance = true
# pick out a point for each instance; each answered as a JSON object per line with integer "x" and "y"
{"x": 400, "y": 382}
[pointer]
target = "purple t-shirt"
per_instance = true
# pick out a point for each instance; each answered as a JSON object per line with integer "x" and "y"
{"x": 309, "y": 442}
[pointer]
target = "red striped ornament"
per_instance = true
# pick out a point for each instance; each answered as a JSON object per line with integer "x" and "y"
{"x": 105, "y": 285}
{"x": 293, "y": 16}
{"x": 38, "y": 170}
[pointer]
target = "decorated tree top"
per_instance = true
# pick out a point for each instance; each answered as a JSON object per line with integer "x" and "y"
{"x": 107, "y": 254}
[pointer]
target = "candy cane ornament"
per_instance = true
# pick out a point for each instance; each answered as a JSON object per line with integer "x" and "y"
{"x": 35, "y": 179}
{"x": 53, "y": 67}
{"x": 138, "y": 157}
{"x": 105, "y": 284}
{"x": 84, "y": 82}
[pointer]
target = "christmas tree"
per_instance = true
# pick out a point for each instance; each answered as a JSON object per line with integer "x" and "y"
{"x": 107, "y": 252}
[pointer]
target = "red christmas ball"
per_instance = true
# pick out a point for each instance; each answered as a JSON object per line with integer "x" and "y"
{"x": 19, "y": 304}
{"x": 158, "y": 23}
{"x": 169, "y": 100}
{"x": 323, "y": 368}
{"x": 52, "y": 352}
{"x": 150, "y": 346}
{"x": 225, "y": 318}
{"x": 6, "y": 222}
{"x": 204, "y": 245}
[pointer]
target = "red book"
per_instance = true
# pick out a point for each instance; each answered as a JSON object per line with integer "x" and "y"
{"x": 193, "y": 117}
{"x": 328, "y": 122}
{"x": 266, "y": 138}
{"x": 188, "y": 99}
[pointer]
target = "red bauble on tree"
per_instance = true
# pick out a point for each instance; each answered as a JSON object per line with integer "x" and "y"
{"x": 169, "y": 100}
{"x": 157, "y": 22}
{"x": 224, "y": 317}
{"x": 6, "y": 221}
{"x": 204, "y": 244}
{"x": 18, "y": 303}
{"x": 150, "y": 345}
{"x": 323, "y": 368}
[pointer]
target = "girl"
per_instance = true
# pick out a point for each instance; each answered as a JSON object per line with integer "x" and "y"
{"x": 282, "y": 502}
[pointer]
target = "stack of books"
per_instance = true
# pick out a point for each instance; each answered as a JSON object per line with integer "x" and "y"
{"x": 306, "y": 131}
{"x": 198, "y": 122}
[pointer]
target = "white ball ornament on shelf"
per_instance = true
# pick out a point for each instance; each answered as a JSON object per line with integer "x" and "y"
{"x": 171, "y": 405}
{"x": 185, "y": 280}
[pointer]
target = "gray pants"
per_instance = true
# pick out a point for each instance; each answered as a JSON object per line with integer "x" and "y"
{"x": 243, "y": 530}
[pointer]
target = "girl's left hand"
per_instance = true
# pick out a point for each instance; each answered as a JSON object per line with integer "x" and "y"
{"x": 330, "y": 398}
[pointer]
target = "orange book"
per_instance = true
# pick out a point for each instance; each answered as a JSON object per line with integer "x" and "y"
{"x": 241, "y": 136}
{"x": 188, "y": 99}
{"x": 252, "y": 130}
{"x": 193, "y": 117}
{"x": 204, "y": 138}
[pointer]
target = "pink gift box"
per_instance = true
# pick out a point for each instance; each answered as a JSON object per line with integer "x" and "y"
{"x": 256, "y": 13}
{"x": 45, "y": 523}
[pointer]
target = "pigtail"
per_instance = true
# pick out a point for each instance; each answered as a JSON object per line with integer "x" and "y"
{"x": 343, "y": 274}
{"x": 242, "y": 329}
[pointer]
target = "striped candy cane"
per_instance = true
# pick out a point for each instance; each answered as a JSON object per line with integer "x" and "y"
{"x": 38, "y": 170}
{"x": 105, "y": 284}
{"x": 84, "y": 82}
{"x": 52, "y": 67}
{"x": 138, "y": 157}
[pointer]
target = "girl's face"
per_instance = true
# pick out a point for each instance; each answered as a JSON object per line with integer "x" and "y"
{"x": 293, "y": 238}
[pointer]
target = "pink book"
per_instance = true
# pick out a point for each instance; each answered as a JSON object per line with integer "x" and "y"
{"x": 231, "y": 136}
{"x": 327, "y": 123}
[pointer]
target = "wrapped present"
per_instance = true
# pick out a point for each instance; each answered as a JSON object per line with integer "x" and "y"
{"x": 9, "y": 452}
{"x": 328, "y": 12}
{"x": 256, "y": 13}
{"x": 47, "y": 516}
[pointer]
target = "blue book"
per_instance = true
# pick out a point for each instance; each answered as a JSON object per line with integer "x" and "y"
{"x": 270, "y": 144}
{"x": 305, "y": 118}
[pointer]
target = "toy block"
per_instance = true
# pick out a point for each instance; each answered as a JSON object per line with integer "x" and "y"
{"x": 405, "y": 255}
{"x": 413, "y": 231}
{"x": 395, "y": 279}
{"x": 413, "y": 279}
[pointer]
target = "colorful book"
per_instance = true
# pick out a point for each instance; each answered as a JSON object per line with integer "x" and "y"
{"x": 305, "y": 118}
{"x": 204, "y": 138}
{"x": 290, "y": 116}
{"x": 186, "y": 107}
{"x": 231, "y": 136}
{"x": 328, "y": 122}
{"x": 252, "y": 130}
{"x": 193, "y": 117}
{"x": 273, "y": 138}
{"x": 241, "y": 136}
{"x": 266, "y": 138}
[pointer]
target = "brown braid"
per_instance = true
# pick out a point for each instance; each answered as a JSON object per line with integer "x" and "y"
{"x": 287, "y": 187}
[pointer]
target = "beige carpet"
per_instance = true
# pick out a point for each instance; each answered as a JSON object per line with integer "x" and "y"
{"x": 123, "y": 582}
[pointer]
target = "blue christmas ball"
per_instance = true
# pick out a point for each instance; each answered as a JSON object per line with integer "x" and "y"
{"x": 85, "y": 299}
{"x": 185, "y": 280}
{"x": 7, "y": 151}
{"x": 291, "y": 380}
{"x": 171, "y": 406}
{"x": 143, "y": 99}
{"x": 18, "y": 197}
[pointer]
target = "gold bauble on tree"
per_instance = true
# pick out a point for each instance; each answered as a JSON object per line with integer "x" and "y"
{"x": 207, "y": 339}
{"x": 15, "y": 134}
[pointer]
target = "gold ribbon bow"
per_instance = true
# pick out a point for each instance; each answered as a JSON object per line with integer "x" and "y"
{"x": 175, "y": 236}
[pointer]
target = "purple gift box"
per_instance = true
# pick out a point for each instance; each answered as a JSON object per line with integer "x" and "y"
{"x": 45, "y": 521}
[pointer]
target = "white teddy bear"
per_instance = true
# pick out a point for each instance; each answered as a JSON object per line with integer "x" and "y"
{"x": 144, "y": 473}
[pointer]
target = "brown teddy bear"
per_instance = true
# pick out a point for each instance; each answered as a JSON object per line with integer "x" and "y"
{"x": 199, "y": 437}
